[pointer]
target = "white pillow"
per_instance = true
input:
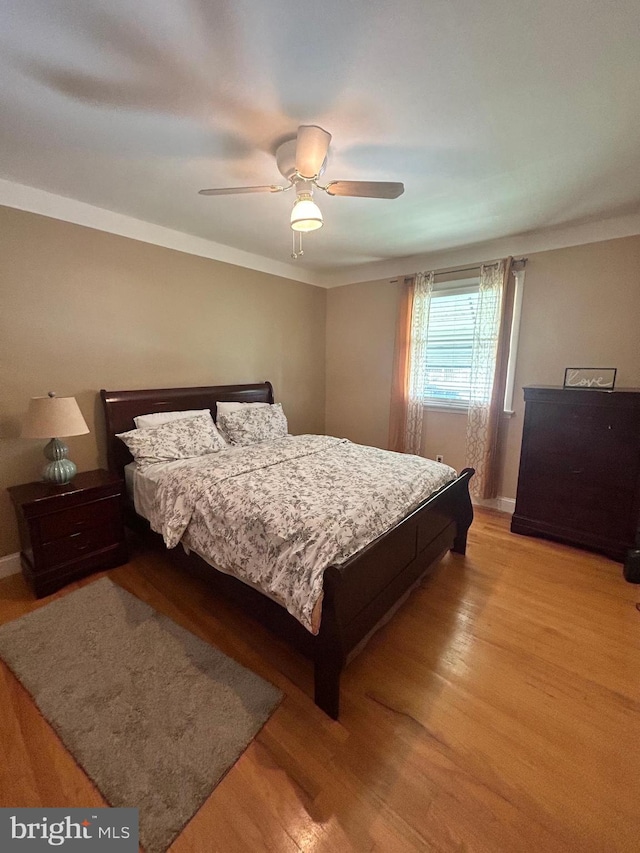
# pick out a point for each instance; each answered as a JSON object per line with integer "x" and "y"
{"x": 177, "y": 439}
{"x": 159, "y": 418}
{"x": 249, "y": 426}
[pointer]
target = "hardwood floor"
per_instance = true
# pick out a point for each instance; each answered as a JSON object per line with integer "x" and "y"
{"x": 498, "y": 711}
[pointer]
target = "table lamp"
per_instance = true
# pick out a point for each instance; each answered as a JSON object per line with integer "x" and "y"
{"x": 51, "y": 417}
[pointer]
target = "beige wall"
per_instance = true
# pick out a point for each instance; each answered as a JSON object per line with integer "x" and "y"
{"x": 581, "y": 307}
{"x": 82, "y": 310}
{"x": 360, "y": 341}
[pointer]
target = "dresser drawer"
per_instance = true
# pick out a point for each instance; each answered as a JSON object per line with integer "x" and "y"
{"x": 59, "y": 525}
{"x": 79, "y": 544}
{"x": 45, "y": 581}
{"x": 578, "y": 501}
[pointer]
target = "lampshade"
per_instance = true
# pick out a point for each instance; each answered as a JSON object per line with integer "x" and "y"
{"x": 51, "y": 416}
{"x": 306, "y": 215}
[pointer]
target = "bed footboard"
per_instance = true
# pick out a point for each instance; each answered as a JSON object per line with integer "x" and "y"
{"x": 359, "y": 593}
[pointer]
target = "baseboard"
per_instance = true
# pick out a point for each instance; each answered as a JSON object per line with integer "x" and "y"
{"x": 9, "y": 565}
{"x": 501, "y": 504}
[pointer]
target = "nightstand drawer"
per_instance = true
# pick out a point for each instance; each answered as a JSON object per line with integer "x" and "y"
{"x": 79, "y": 544}
{"x": 59, "y": 525}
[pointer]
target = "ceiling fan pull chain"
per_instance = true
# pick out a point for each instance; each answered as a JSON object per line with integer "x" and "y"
{"x": 295, "y": 255}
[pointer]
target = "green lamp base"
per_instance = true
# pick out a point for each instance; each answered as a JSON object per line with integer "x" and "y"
{"x": 60, "y": 470}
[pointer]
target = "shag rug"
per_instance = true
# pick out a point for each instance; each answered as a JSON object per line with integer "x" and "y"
{"x": 154, "y": 715}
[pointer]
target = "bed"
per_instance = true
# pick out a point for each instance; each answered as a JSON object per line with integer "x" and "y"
{"x": 359, "y": 594}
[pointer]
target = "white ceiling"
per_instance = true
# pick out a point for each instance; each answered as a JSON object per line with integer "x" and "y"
{"x": 500, "y": 116}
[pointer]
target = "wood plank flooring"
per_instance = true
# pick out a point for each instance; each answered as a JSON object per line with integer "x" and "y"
{"x": 498, "y": 711}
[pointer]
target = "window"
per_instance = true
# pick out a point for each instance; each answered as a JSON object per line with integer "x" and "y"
{"x": 449, "y": 335}
{"x": 452, "y": 316}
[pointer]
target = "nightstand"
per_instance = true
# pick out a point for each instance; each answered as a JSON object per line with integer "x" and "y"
{"x": 67, "y": 532}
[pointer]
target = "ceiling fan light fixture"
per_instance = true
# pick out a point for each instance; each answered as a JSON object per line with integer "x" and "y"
{"x": 306, "y": 215}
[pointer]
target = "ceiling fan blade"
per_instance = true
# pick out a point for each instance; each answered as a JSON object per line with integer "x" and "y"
{"x": 365, "y": 189}
{"x": 311, "y": 149}
{"x": 232, "y": 190}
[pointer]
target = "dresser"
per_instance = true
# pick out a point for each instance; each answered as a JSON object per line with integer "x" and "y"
{"x": 579, "y": 478}
{"x": 69, "y": 531}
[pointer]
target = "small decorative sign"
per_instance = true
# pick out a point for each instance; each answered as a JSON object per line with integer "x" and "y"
{"x": 602, "y": 378}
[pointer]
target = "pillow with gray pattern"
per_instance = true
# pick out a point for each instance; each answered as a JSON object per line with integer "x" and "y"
{"x": 179, "y": 439}
{"x": 249, "y": 426}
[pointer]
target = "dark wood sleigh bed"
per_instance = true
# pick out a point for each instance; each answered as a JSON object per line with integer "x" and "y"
{"x": 358, "y": 594}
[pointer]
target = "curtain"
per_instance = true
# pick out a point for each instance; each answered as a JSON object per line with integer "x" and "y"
{"x": 400, "y": 378}
{"x": 410, "y": 362}
{"x": 488, "y": 375}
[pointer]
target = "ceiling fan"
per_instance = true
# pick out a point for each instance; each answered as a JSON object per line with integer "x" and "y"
{"x": 302, "y": 161}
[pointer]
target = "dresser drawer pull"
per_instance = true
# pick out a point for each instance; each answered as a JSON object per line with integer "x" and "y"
{"x": 78, "y": 539}
{"x": 577, "y": 471}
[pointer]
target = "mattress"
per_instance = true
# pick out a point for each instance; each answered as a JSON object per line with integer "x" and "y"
{"x": 143, "y": 488}
{"x": 129, "y": 478}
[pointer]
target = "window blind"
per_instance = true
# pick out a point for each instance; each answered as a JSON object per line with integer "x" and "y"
{"x": 450, "y": 330}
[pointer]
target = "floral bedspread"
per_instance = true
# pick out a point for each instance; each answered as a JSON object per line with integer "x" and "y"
{"x": 276, "y": 514}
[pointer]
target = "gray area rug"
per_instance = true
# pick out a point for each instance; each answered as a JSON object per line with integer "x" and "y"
{"x": 154, "y": 715}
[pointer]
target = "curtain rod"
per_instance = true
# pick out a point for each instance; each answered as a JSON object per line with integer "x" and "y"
{"x": 451, "y": 271}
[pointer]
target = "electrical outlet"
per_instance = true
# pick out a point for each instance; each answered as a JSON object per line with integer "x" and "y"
{"x": 439, "y": 457}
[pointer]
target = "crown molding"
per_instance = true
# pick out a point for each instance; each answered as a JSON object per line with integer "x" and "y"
{"x": 35, "y": 200}
{"x": 39, "y": 201}
{"x": 518, "y": 244}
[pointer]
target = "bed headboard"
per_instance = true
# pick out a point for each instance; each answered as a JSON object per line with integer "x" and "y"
{"x": 121, "y": 407}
